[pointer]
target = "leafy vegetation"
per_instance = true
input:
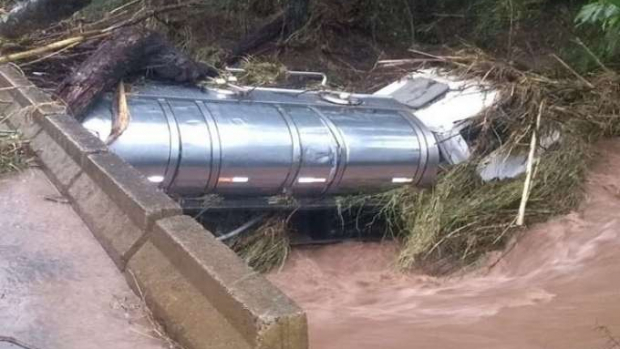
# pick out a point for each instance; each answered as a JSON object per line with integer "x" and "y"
{"x": 606, "y": 14}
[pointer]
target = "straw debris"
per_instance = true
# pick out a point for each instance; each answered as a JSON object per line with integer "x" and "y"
{"x": 267, "y": 247}
{"x": 462, "y": 217}
{"x": 261, "y": 73}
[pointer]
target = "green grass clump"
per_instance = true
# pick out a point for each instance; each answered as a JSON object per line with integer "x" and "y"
{"x": 606, "y": 14}
{"x": 12, "y": 152}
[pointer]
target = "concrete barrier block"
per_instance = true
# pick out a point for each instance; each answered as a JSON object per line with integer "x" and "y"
{"x": 22, "y": 104}
{"x": 117, "y": 204}
{"x": 112, "y": 227}
{"x": 199, "y": 269}
{"x": 72, "y": 137}
{"x": 178, "y": 305}
{"x": 8, "y": 105}
{"x": 59, "y": 166}
{"x": 25, "y": 92}
{"x": 12, "y": 76}
{"x": 31, "y": 96}
{"x": 19, "y": 117}
{"x": 130, "y": 190}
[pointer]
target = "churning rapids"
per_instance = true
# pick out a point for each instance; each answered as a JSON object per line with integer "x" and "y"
{"x": 559, "y": 287}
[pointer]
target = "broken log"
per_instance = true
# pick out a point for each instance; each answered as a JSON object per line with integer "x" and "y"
{"x": 115, "y": 58}
{"x": 33, "y": 15}
{"x": 170, "y": 64}
{"x": 129, "y": 51}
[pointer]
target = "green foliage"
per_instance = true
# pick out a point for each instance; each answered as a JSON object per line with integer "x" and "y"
{"x": 606, "y": 14}
{"x": 12, "y": 152}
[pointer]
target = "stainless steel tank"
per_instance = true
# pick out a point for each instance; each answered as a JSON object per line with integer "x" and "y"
{"x": 265, "y": 142}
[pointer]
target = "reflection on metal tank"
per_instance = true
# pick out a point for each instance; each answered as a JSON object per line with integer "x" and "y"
{"x": 267, "y": 142}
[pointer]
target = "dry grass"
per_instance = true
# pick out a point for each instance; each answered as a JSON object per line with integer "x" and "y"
{"x": 266, "y": 247}
{"x": 261, "y": 73}
{"x": 462, "y": 217}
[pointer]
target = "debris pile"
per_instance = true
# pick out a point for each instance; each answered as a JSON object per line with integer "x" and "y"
{"x": 463, "y": 216}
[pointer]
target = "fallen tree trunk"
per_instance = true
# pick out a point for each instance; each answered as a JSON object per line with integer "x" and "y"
{"x": 37, "y": 14}
{"x": 129, "y": 51}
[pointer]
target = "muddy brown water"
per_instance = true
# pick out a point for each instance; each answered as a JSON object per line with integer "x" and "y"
{"x": 559, "y": 287}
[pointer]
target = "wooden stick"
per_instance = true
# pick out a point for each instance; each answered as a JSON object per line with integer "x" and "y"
{"x": 595, "y": 57}
{"x": 55, "y": 53}
{"x": 565, "y": 65}
{"x": 446, "y": 59}
{"x": 122, "y": 117}
{"x": 40, "y": 50}
{"x": 529, "y": 170}
{"x": 58, "y": 45}
{"x": 122, "y": 7}
{"x": 92, "y": 34}
{"x": 146, "y": 14}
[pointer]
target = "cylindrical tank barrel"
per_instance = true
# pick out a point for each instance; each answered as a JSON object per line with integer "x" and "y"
{"x": 269, "y": 142}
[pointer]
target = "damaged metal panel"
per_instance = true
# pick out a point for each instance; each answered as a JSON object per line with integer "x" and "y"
{"x": 446, "y": 104}
{"x": 265, "y": 142}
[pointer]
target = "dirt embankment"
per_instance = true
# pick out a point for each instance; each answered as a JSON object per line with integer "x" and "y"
{"x": 559, "y": 287}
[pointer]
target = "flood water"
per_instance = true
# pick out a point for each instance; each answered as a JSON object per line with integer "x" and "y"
{"x": 559, "y": 287}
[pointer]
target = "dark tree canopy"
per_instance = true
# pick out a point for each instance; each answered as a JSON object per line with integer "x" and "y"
{"x": 288, "y": 22}
{"x": 37, "y": 14}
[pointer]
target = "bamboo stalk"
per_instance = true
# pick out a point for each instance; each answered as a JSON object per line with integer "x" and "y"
{"x": 568, "y": 67}
{"x": 530, "y": 169}
{"x": 58, "y": 45}
{"x": 595, "y": 57}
